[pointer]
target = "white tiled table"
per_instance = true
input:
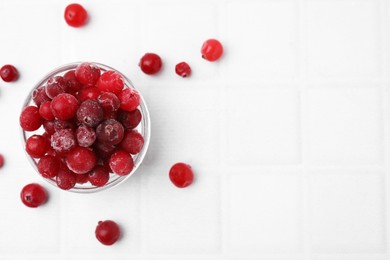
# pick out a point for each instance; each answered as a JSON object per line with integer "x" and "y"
{"x": 289, "y": 134}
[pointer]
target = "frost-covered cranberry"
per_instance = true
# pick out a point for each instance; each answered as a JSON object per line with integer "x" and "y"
{"x": 81, "y": 160}
{"x": 110, "y": 81}
{"x": 39, "y": 96}
{"x": 66, "y": 179}
{"x": 45, "y": 111}
{"x": 55, "y": 85}
{"x": 99, "y": 176}
{"x": 37, "y": 146}
{"x": 121, "y": 163}
{"x": 63, "y": 141}
{"x": 29, "y": 119}
{"x": 85, "y": 135}
{"x": 75, "y": 15}
{"x": 150, "y": 63}
{"x": 90, "y": 113}
{"x": 73, "y": 85}
{"x": 107, "y": 232}
{"x": 132, "y": 142}
{"x": 110, "y": 131}
{"x": 109, "y": 101}
{"x": 131, "y": 119}
{"x": 33, "y": 195}
{"x": 64, "y": 106}
{"x": 49, "y": 166}
{"x": 9, "y": 73}
{"x": 88, "y": 93}
{"x": 87, "y": 73}
{"x": 129, "y": 99}
{"x": 181, "y": 175}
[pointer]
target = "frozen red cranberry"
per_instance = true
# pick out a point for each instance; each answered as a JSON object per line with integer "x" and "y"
{"x": 110, "y": 115}
{"x": 88, "y": 93}
{"x": 64, "y": 106}
{"x": 85, "y": 136}
{"x": 1, "y": 160}
{"x": 99, "y": 176}
{"x": 87, "y": 73}
{"x": 82, "y": 178}
{"x": 131, "y": 119}
{"x": 45, "y": 111}
{"x": 211, "y": 50}
{"x": 48, "y": 166}
{"x": 37, "y": 146}
{"x": 110, "y": 131}
{"x": 81, "y": 160}
{"x": 64, "y": 124}
{"x": 72, "y": 84}
{"x": 63, "y": 141}
{"x": 39, "y": 96}
{"x": 181, "y": 175}
{"x": 150, "y": 63}
{"x": 129, "y": 99}
{"x": 33, "y": 195}
{"x": 90, "y": 113}
{"x": 104, "y": 150}
{"x": 121, "y": 163}
{"x": 75, "y": 15}
{"x": 183, "y": 69}
{"x": 110, "y": 81}
{"x": 132, "y": 142}
{"x": 109, "y": 101}
{"x": 54, "y": 86}
{"x": 66, "y": 179}
{"x": 29, "y": 119}
{"x": 9, "y": 73}
{"x": 107, "y": 232}
{"x": 49, "y": 127}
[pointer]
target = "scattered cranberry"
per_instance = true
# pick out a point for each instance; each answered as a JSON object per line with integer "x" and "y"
{"x": 66, "y": 179}
{"x": 87, "y": 73}
{"x": 39, "y": 95}
{"x": 181, "y": 175}
{"x": 132, "y": 142}
{"x": 1, "y": 160}
{"x": 64, "y": 106}
{"x": 109, "y": 102}
{"x": 99, "y": 176}
{"x": 90, "y": 113}
{"x": 88, "y": 93}
{"x": 129, "y": 99}
{"x": 121, "y": 163}
{"x": 75, "y": 15}
{"x": 131, "y": 119}
{"x": 150, "y": 63}
{"x": 37, "y": 146}
{"x": 9, "y": 73}
{"x": 85, "y": 135}
{"x": 30, "y": 120}
{"x": 33, "y": 195}
{"x": 55, "y": 86}
{"x": 110, "y": 81}
{"x": 45, "y": 111}
{"x": 110, "y": 132}
{"x": 107, "y": 232}
{"x": 48, "y": 166}
{"x": 211, "y": 50}
{"x": 183, "y": 69}
{"x": 72, "y": 84}
{"x": 63, "y": 141}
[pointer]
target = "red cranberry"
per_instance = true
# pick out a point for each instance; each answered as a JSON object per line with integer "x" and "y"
{"x": 45, "y": 111}
{"x": 37, "y": 146}
{"x": 63, "y": 141}
{"x": 107, "y": 232}
{"x": 66, "y": 179}
{"x": 48, "y": 166}
{"x": 150, "y": 63}
{"x": 39, "y": 96}
{"x": 90, "y": 113}
{"x": 110, "y": 131}
{"x": 104, "y": 150}
{"x": 64, "y": 124}
{"x": 9, "y": 73}
{"x": 121, "y": 163}
{"x": 55, "y": 86}
{"x": 129, "y": 120}
{"x": 75, "y": 15}
{"x": 64, "y": 106}
{"x": 129, "y": 99}
{"x": 85, "y": 135}
{"x": 87, "y": 73}
{"x": 72, "y": 84}
{"x": 82, "y": 178}
{"x": 181, "y": 175}
{"x": 81, "y": 160}
{"x": 132, "y": 142}
{"x": 33, "y": 195}
{"x": 109, "y": 101}
{"x": 183, "y": 69}
{"x": 30, "y": 120}
{"x": 49, "y": 127}
{"x": 88, "y": 93}
{"x": 110, "y": 81}
{"x": 99, "y": 176}
{"x": 211, "y": 50}
{"x": 1, "y": 160}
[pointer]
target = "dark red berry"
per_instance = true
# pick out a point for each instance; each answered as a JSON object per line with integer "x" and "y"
{"x": 129, "y": 99}
{"x": 66, "y": 179}
{"x": 49, "y": 166}
{"x": 183, "y": 69}
{"x": 45, "y": 111}
{"x": 39, "y": 96}
{"x": 90, "y": 113}
{"x": 85, "y": 136}
{"x": 30, "y": 119}
{"x": 72, "y": 84}
{"x": 63, "y": 141}
{"x": 109, "y": 101}
{"x": 82, "y": 178}
{"x": 131, "y": 119}
{"x": 150, "y": 63}
{"x": 87, "y": 73}
{"x": 81, "y": 160}
{"x": 181, "y": 175}
{"x": 211, "y": 50}
{"x": 121, "y": 163}
{"x": 9, "y": 73}
{"x": 64, "y": 106}
{"x": 99, "y": 176}
{"x": 33, "y": 195}
{"x": 37, "y": 146}
{"x": 55, "y": 86}
{"x": 49, "y": 127}
{"x": 110, "y": 81}
{"x": 75, "y": 15}
{"x": 107, "y": 232}
{"x": 64, "y": 124}
{"x": 110, "y": 132}
{"x": 88, "y": 93}
{"x": 132, "y": 142}
{"x": 104, "y": 150}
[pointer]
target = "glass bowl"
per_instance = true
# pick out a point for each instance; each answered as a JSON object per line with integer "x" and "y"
{"x": 143, "y": 128}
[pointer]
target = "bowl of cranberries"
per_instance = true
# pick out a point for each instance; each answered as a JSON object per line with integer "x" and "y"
{"x": 85, "y": 127}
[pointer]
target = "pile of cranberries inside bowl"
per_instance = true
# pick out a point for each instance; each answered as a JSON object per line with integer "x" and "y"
{"x": 85, "y": 127}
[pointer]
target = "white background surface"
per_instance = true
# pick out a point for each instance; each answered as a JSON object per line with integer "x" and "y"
{"x": 288, "y": 133}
